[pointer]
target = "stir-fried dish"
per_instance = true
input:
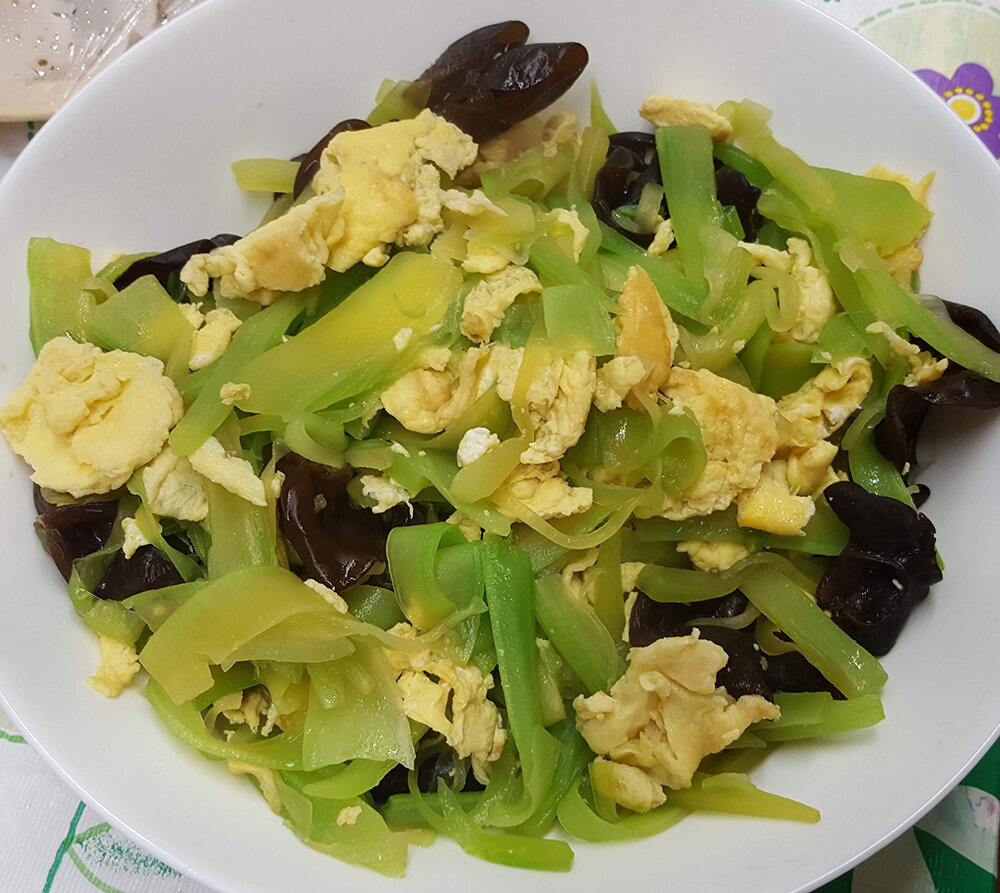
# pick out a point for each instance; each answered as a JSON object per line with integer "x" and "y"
{"x": 511, "y": 473}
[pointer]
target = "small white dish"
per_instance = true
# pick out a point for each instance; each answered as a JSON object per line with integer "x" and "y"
{"x": 139, "y": 160}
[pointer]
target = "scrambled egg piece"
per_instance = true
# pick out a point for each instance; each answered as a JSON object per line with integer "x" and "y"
{"x": 630, "y": 786}
{"x": 470, "y": 204}
{"x": 561, "y": 129}
{"x": 428, "y": 398}
{"x": 824, "y": 403}
{"x": 432, "y": 396}
{"x": 252, "y": 708}
{"x": 489, "y": 299}
{"x": 809, "y": 470}
{"x": 173, "y": 488}
{"x": 289, "y": 253}
{"x": 580, "y": 577}
{"x": 663, "y": 237}
{"x": 630, "y": 580}
{"x": 330, "y": 596}
{"x": 119, "y": 664}
{"x": 565, "y": 226}
{"x": 232, "y": 392}
{"x": 558, "y": 402}
{"x": 905, "y": 261}
{"x": 713, "y": 556}
{"x": 924, "y": 366}
{"x": 349, "y": 815}
{"x": 265, "y": 778}
{"x": 615, "y": 380}
{"x": 817, "y": 302}
{"x": 502, "y": 370}
{"x": 213, "y": 332}
{"x": 783, "y": 501}
{"x": 739, "y": 433}
{"x": 391, "y": 182}
{"x": 85, "y": 419}
{"x": 486, "y": 259}
{"x": 646, "y": 331}
{"x": 133, "y": 537}
{"x": 463, "y": 215}
{"x": 475, "y": 443}
{"x": 228, "y": 470}
{"x": 897, "y": 342}
{"x": 666, "y": 714}
{"x": 918, "y": 189}
{"x": 542, "y": 490}
{"x": 644, "y": 351}
{"x": 275, "y": 481}
{"x": 451, "y": 699}
{"x": 385, "y": 492}
{"x": 374, "y": 188}
{"x": 192, "y": 313}
{"x": 630, "y": 574}
{"x": 469, "y": 528}
{"x": 772, "y": 505}
{"x": 662, "y": 110}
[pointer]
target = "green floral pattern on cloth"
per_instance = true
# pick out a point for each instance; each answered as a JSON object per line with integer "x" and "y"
{"x": 100, "y": 857}
{"x": 953, "y": 849}
{"x": 50, "y": 842}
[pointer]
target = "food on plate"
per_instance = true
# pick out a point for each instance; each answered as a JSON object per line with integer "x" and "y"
{"x": 511, "y": 473}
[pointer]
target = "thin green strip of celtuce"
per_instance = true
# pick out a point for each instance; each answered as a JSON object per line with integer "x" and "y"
{"x": 577, "y": 818}
{"x": 578, "y": 635}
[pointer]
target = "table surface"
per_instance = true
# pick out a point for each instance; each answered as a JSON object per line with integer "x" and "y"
{"x": 50, "y": 842}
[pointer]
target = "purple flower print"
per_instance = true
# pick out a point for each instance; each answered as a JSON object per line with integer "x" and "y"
{"x": 969, "y": 94}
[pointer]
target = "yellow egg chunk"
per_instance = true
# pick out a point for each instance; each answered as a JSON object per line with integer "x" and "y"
{"x": 740, "y": 436}
{"x": 85, "y": 419}
{"x": 392, "y": 188}
{"x": 713, "y": 556}
{"x": 173, "y": 488}
{"x": 630, "y": 786}
{"x": 817, "y": 303}
{"x": 558, "y": 402}
{"x": 666, "y": 713}
{"x": 545, "y": 492}
{"x": 489, "y": 299}
{"x": 212, "y": 337}
{"x": 668, "y": 111}
{"x": 615, "y": 380}
{"x": 450, "y": 698}
{"x": 375, "y": 188}
{"x": 824, "y": 403}
{"x": 430, "y": 397}
{"x": 118, "y": 667}
{"x": 646, "y": 330}
{"x": 772, "y": 506}
{"x": 289, "y": 253}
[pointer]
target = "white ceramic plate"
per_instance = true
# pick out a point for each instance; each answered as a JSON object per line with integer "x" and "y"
{"x": 139, "y": 160}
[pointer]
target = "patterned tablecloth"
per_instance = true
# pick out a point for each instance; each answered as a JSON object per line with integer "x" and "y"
{"x": 50, "y": 842}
